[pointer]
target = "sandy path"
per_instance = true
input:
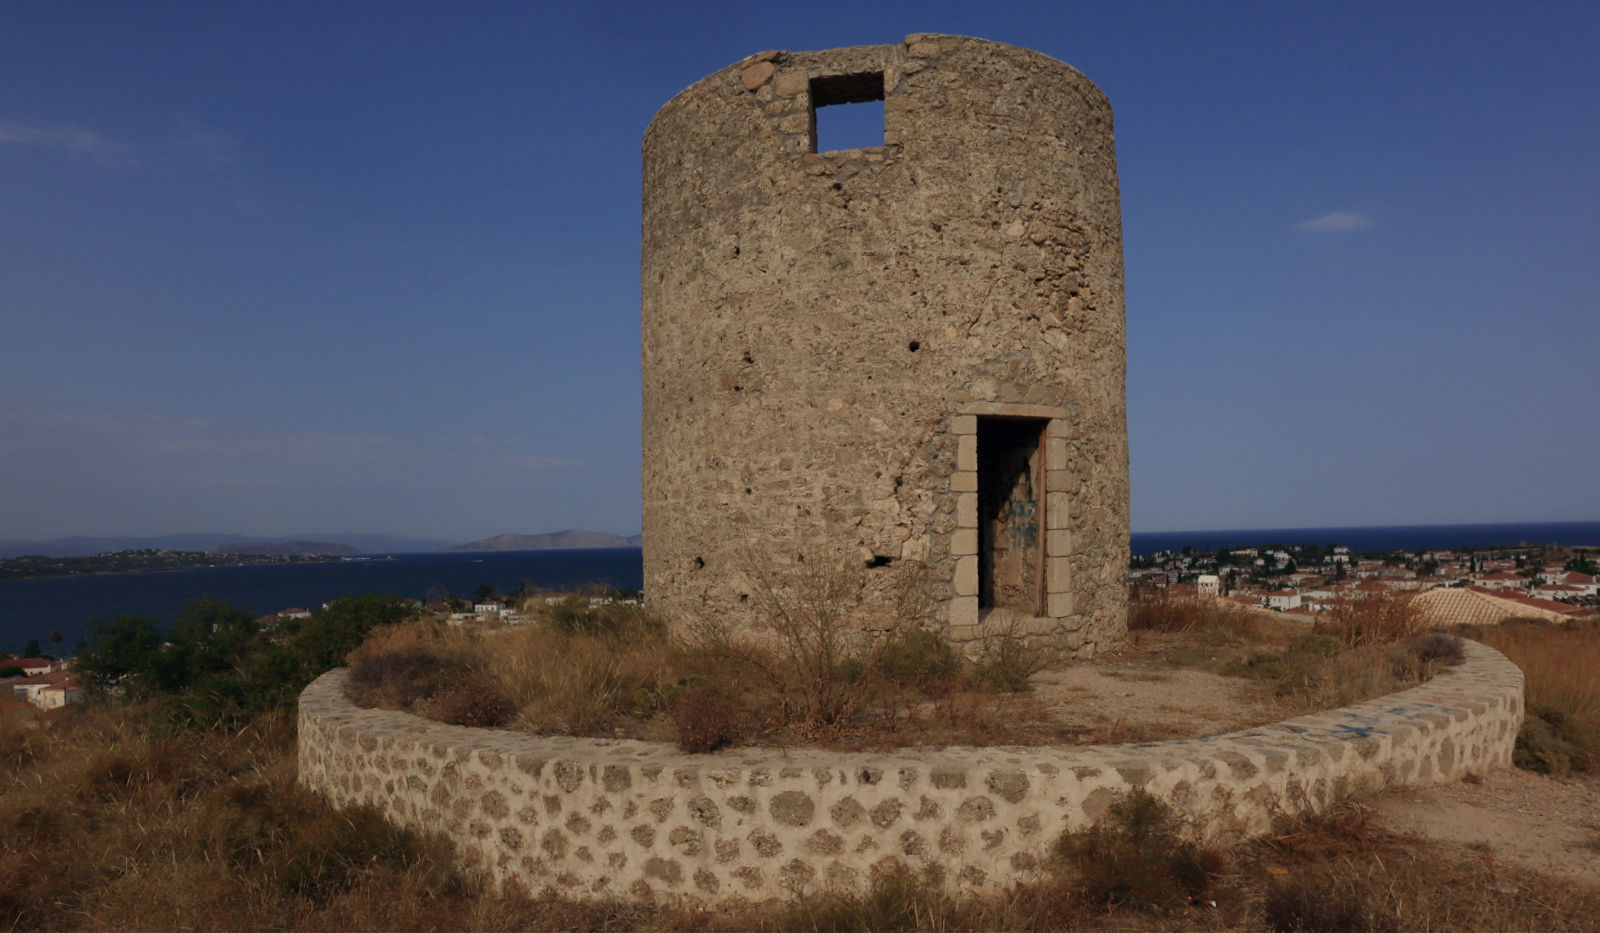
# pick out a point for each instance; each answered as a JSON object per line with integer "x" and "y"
{"x": 1544, "y": 824}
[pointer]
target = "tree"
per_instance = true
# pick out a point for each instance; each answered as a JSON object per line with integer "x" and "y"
{"x": 482, "y": 593}
{"x": 32, "y": 649}
{"x": 1582, "y": 563}
{"x": 120, "y": 655}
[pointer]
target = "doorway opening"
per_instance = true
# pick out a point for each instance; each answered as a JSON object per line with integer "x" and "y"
{"x": 1011, "y": 519}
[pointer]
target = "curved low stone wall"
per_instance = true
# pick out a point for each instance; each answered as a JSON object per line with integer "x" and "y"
{"x": 601, "y": 818}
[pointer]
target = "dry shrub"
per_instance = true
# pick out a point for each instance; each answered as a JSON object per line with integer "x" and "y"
{"x": 1152, "y": 609}
{"x": 898, "y": 900}
{"x": 919, "y": 660}
{"x": 1375, "y": 616}
{"x": 1561, "y": 732}
{"x": 1007, "y": 659}
{"x": 400, "y": 666}
{"x": 573, "y": 614}
{"x": 1317, "y": 672}
{"x": 476, "y": 702}
{"x": 575, "y": 683}
{"x": 1137, "y": 856}
{"x": 707, "y": 718}
{"x": 1339, "y": 871}
{"x": 808, "y": 609}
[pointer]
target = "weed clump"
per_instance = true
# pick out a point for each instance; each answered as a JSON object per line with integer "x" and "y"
{"x": 476, "y": 702}
{"x": 1137, "y": 857}
{"x": 920, "y": 660}
{"x": 1375, "y": 617}
{"x": 898, "y": 901}
{"x": 707, "y": 718}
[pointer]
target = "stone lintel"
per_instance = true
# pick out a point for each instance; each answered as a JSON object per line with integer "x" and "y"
{"x": 1013, "y": 410}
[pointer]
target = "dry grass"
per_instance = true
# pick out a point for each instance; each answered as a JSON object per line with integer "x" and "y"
{"x": 105, "y": 825}
{"x": 1374, "y": 645}
{"x": 1375, "y": 616}
{"x": 813, "y": 677}
{"x": 1562, "y": 730}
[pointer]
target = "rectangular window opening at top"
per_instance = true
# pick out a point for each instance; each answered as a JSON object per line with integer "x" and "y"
{"x": 848, "y": 111}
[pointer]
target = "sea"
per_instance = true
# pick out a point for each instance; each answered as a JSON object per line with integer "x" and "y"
{"x": 35, "y": 608}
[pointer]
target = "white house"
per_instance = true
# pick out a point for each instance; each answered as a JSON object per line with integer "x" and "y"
{"x": 1284, "y": 600}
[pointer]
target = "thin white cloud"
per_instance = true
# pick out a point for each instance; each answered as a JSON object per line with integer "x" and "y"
{"x": 1336, "y": 222}
{"x": 191, "y": 140}
{"x": 74, "y": 139}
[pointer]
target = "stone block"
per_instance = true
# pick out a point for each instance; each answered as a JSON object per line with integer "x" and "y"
{"x": 966, "y": 581}
{"x": 1058, "y": 542}
{"x": 964, "y": 611}
{"x": 756, "y": 75}
{"x": 967, "y": 510}
{"x": 964, "y": 542}
{"x": 964, "y": 424}
{"x": 967, "y": 452}
{"x": 1058, "y": 574}
{"x": 1059, "y": 605}
{"x": 1058, "y": 511}
{"x": 791, "y": 83}
{"x": 964, "y": 481}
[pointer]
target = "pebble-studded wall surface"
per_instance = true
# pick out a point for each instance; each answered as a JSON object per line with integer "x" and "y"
{"x": 604, "y": 818}
{"x": 825, "y": 334}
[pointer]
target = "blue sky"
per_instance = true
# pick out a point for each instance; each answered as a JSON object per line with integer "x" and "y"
{"x": 277, "y": 268}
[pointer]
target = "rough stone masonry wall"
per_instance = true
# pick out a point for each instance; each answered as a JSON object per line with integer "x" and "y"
{"x": 601, "y": 818}
{"x": 821, "y": 330}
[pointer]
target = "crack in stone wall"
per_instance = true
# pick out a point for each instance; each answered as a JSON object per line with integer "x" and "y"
{"x": 591, "y": 818}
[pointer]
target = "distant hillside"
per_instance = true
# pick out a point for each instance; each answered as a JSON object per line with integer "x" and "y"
{"x": 556, "y": 539}
{"x": 89, "y": 546}
{"x": 285, "y": 547}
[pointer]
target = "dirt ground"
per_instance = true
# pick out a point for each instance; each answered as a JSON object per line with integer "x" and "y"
{"x": 1517, "y": 818}
{"x": 1134, "y": 695}
{"x": 1548, "y": 825}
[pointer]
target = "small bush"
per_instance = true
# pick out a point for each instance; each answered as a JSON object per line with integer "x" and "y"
{"x": 335, "y": 849}
{"x": 400, "y": 666}
{"x": 917, "y": 659}
{"x": 477, "y": 702}
{"x": 897, "y": 902}
{"x": 1007, "y": 659}
{"x": 808, "y": 609}
{"x": 1136, "y": 857}
{"x": 1548, "y": 743}
{"x": 1436, "y": 648}
{"x": 1375, "y": 616}
{"x": 707, "y": 718}
{"x": 574, "y": 615}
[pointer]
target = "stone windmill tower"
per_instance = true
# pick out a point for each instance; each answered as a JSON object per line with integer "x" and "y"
{"x": 910, "y": 353}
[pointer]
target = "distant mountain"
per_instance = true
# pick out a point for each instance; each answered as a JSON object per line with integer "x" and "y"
{"x": 83, "y": 546}
{"x": 285, "y": 548}
{"x": 571, "y": 538}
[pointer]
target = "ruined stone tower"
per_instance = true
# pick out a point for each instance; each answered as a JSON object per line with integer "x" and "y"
{"x": 911, "y": 353}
